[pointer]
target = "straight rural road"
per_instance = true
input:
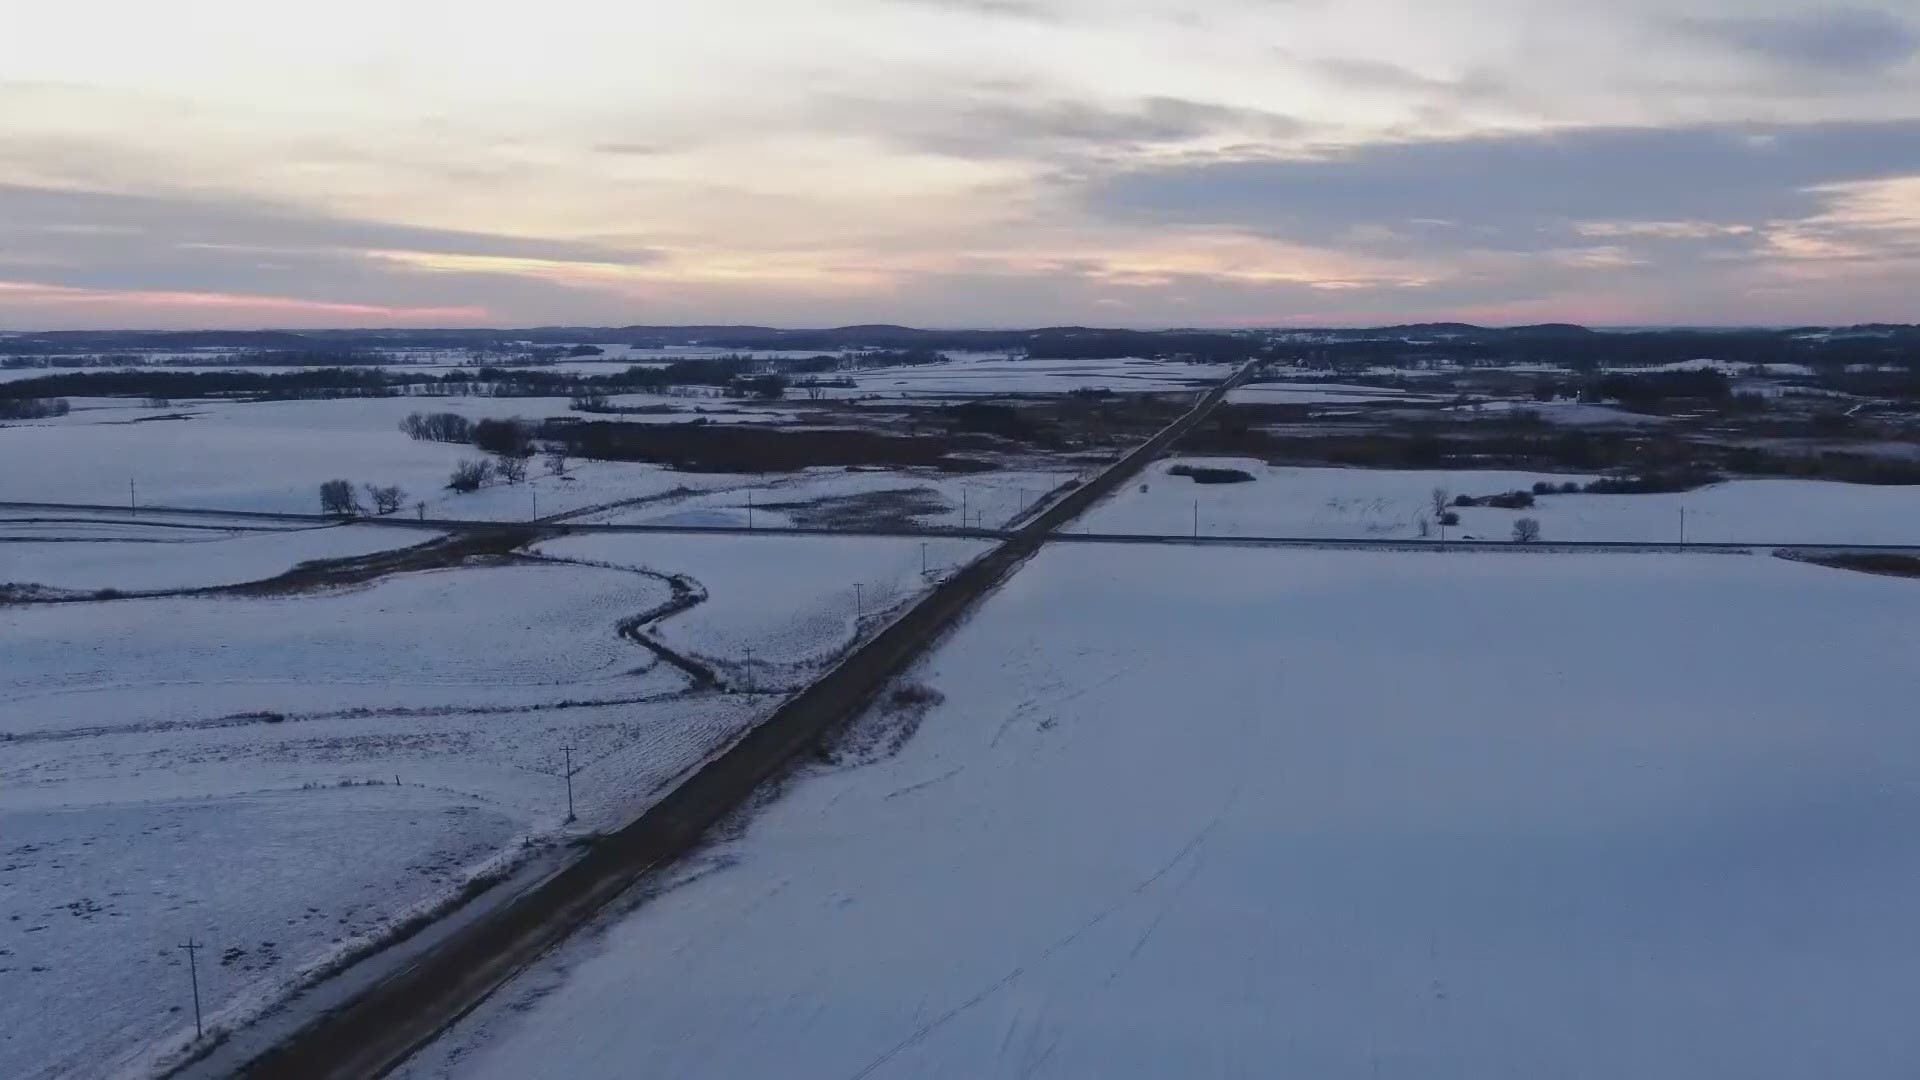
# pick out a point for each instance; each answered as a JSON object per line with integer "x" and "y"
{"x": 379, "y": 1027}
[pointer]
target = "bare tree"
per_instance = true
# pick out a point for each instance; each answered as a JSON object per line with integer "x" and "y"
{"x": 337, "y": 497}
{"x": 1441, "y": 497}
{"x": 510, "y": 467}
{"x": 470, "y": 475}
{"x": 386, "y": 499}
{"x": 557, "y": 460}
{"x": 1526, "y": 530}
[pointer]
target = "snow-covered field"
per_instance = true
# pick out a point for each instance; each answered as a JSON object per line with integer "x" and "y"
{"x": 972, "y": 375}
{"x": 505, "y": 635}
{"x": 244, "y": 456}
{"x": 1388, "y": 504}
{"x": 977, "y": 500}
{"x": 1319, "y": 814}
{"x": 88, "y": 555}
{"x": 1319, "y": 394}
{"x": 273, "y": 456}
{"x": 412, "y": 736}
{"x": 789, "y": 603}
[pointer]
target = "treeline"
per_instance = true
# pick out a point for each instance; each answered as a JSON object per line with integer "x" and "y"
{"x": 1634, "y": 463}
{"x": 751, "y": 376}
{"x": 700, "y": 447}
{"x": 1589, "y": 352}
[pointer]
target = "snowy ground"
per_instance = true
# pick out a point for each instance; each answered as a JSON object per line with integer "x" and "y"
{"x": 984, "y": 500}
{"x": 138, "y": 805}
{"x": 1388, "y": 504}
{"x": 976, "y": 374}
{"x": 1319, "y": 394}
{"x": 130, "y": 556}
{"x": 788, "y": 603}
{"x": 247, "y": 456}
{"x": 511, "y": 635}
{"x": 273, "y": 456}
{"x": 1317, "y": 814}
{"x": 1563, "y": 413}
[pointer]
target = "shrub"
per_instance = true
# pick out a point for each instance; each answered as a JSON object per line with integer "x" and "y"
{"x": 437, "y": 427}
{"x": 510, "y": 468}
{"x": 337, "y": 497}
{"x": 387, "y": 499}
{"x": 1204, "y": 475}
{"x": 1512, "y": 500}
{"x": 509, "y": 438}
{"x": 913, "y": 695}
{"x": 1449, "y": 519}
{"x": 470, "y": 475}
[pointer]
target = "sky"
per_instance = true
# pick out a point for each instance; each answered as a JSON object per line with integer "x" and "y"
{"x": 958, "y": 163}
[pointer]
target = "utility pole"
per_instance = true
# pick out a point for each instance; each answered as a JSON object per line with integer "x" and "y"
{"x": 963, "y": 506}
{"x": 749, "y": 509}
{"x": 132, "y": 503}
{"x": 923, "y": 558}
{"x": 859, "y": 605}
{"x": 1683, "y": 525}
{"x": 1196, "y": 519}
{"x": 535, "y": 492}
{"x": 568, "y": 750}
{"x": 748, "y": 669}
{"x": 193, "y": 972}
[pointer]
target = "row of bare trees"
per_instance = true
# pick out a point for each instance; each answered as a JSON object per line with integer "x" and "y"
{"x": 340, "y": 498}
{"x": 1525, "y": 530}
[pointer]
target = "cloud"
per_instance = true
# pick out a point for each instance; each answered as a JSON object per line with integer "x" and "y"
{"x": 1520, "y": 192}
{"x": 75, "y": 257}
{"x": 209, "y": 221}
{"x": 1019, "y": 122}
{"x": 1847, "y": 40}
{"x": 1008, "y": 9}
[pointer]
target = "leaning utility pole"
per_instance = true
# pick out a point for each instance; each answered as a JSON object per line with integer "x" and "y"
{"x": 568, "y": 750}
{"x": 193, "y": 972}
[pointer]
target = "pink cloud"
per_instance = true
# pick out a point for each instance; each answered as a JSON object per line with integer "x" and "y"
{"x": 21, "y": 303}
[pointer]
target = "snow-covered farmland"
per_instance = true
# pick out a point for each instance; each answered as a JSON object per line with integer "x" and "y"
{"x": 812, "y": 497}
{"x": 1388, "y": 504}
{"x": 243, "y": 455}
{"x": 1319, "y": 394}
{"x": 789, "y": 603}
{"x": 273, "y": 456}
{"x": 1328, "y": 814}
{"x": 507, "y": 635}
{"x": 286, "y": 778}
{"x": 979, "y": 374}
{"x": 131, "y": 556}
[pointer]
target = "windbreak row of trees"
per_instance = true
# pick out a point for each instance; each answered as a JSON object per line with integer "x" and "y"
{"x": 744, "y": 376}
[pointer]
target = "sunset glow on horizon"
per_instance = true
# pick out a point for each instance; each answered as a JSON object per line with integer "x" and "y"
{"x": 959, "y": 163}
